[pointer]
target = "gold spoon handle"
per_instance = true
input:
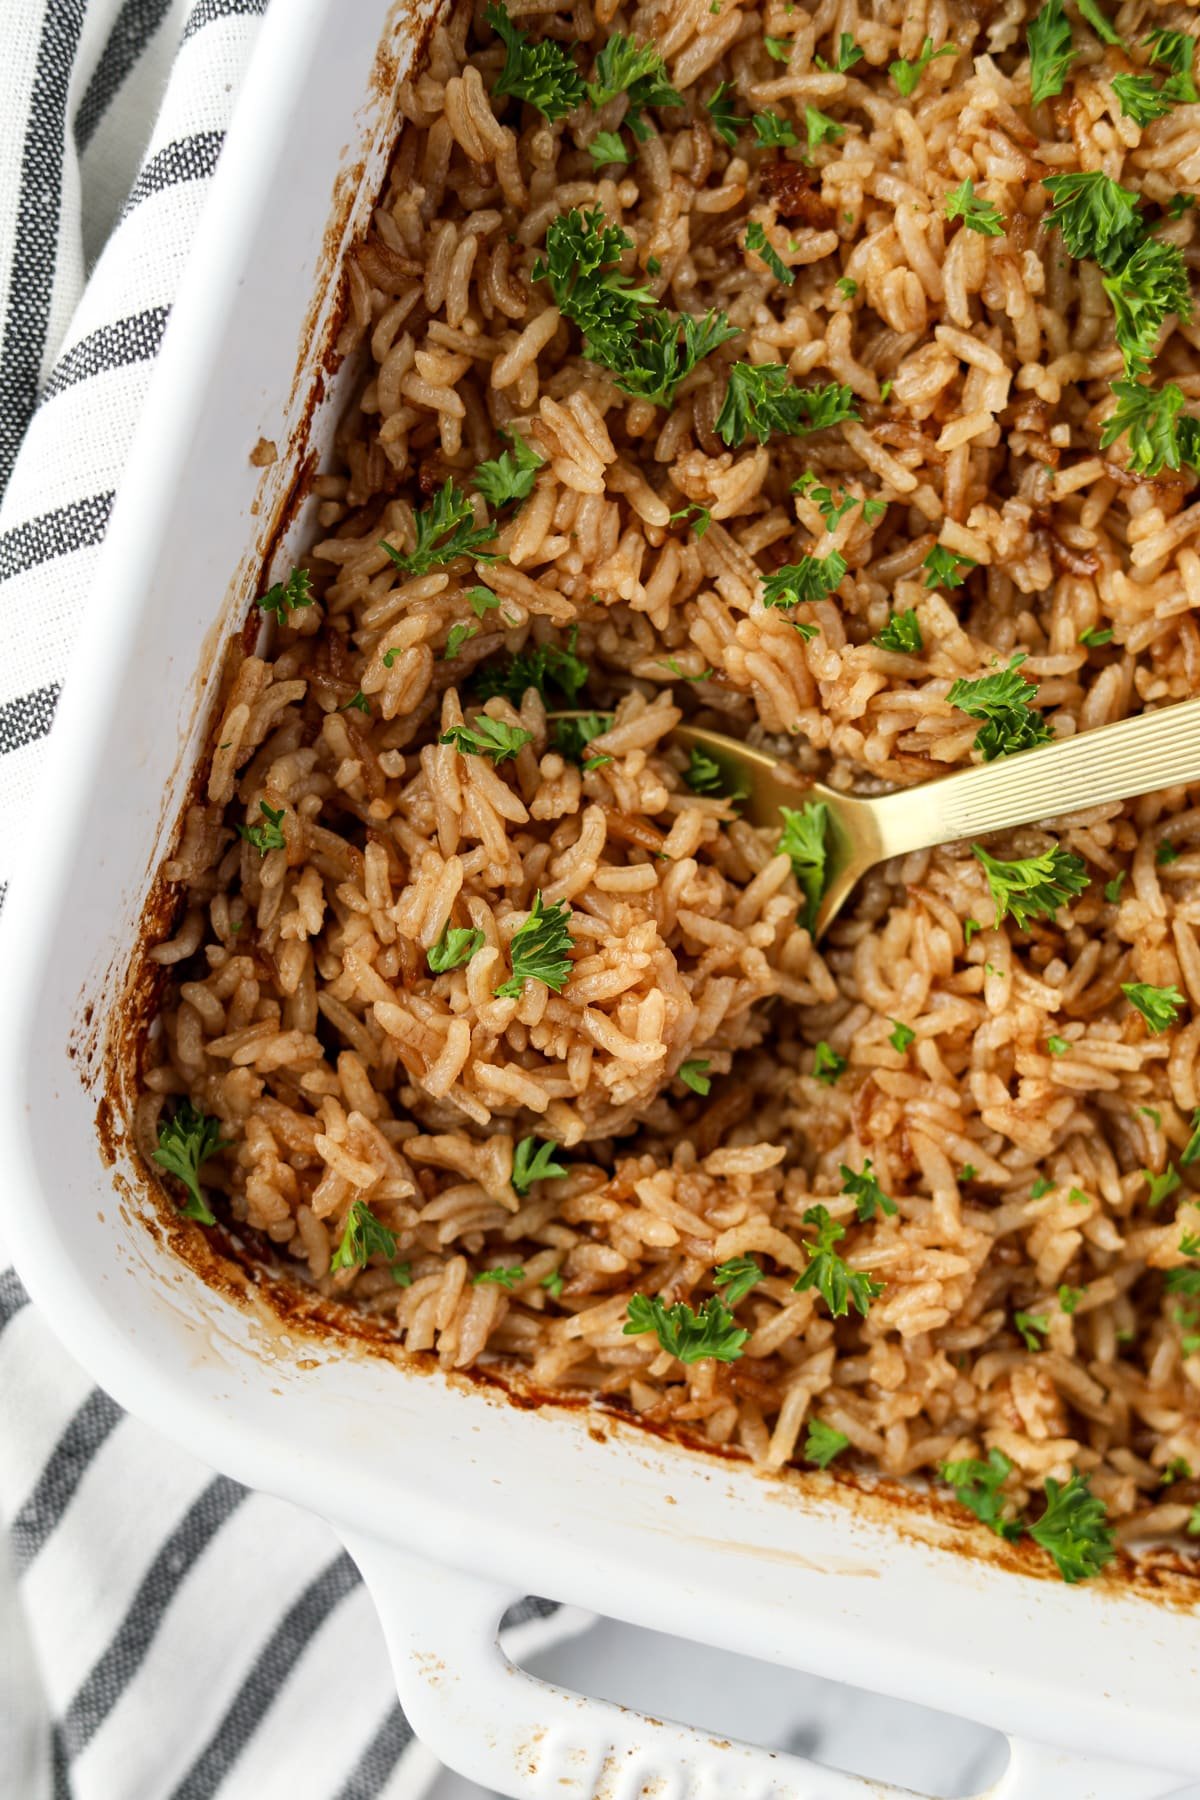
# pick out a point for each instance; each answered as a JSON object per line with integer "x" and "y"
{"x": 1135, "y": 756}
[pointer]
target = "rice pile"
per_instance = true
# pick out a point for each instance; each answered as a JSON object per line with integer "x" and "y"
{"x": 301, "y": 1011}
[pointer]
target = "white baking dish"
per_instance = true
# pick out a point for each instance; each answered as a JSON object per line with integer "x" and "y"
{"x": 451, "y": 1499}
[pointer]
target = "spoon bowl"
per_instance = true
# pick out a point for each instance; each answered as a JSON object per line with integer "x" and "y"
{"x": 1141, "y": 755}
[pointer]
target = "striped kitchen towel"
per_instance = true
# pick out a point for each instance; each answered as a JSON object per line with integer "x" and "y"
{"x": 164, "y": 1634}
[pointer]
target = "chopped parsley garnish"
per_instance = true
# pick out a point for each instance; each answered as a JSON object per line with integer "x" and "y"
{"x": 1057, "y": 1046}
{"x": 846, "y": 287}
{"x": 848, "y": 53}
{"x": 402, "y": 1274}
{"x": 945, "y": 567}
{"x": 1032, "y": 1327}
{"x": 1089, "y": 10}
{"x": 1096, "y": 635}
{"x": 1141, "y": 98}
{"x": 977, "y": 215}
{"x": 1098, "y": 218}
{"x": 553, "y": 1283}
{"x": 702, "y": 520}
{"x": 818, "y": 126}
{"x": 287, "y": 597}
{"x": 509, "y": 476}
{"x": 456, "y": 637}
{"x": 533, "y": 1160}
{"x": 688, "y": 1335}
{"x": 488, "y": 737}
{"x": 803, "y": 839}
{"x": 543, "y": 74}
{"x": 703, "y": 774}
{"x": 694, "y": 1074}
{"x": 536, "y": 668}
{"x": 444, "y": 530}
{"x": 667, "y": 347}
{"x": 907, "y": 75}
{"x": 359, "y": 703}
{"x": 540, "y": 950}
{"x": 1159, "y": 1006}
{"x": 867, "y": 1193}
{"x": 1002, "y": 702}
{"x": 823, "y": 1443}
{"x": 773, "y": 132}
{"x": 1161, "y": 1186}
{"x": 902, "y": 1037}
{"x": 737, "y": 1277}
{"x": 185, "y": 1142}
{"x": 760, "y": 399}
{"x": 757, "y": 240}
{"x": 1041, "y": 1188}
{"x": 812, "y": 578}
{"x": 608, "y": 147}
{"x": 364, "y": 1236}
{"x": 638, "y": 72}
{"x": 979, "y": 1487}
{"x": 827, "y": 1064}
{"x": 265, "y": 837}
{"x": 903, "y": 633}
{"x": 1149, "y": 285}
{"x": 506, "y": 1278}
{"x": 1112, "y": 889}
{"x": 1074, "y": 1529}
{"x": 1166, "y": 854}
{"x": 456, "y": 946}
{"x": 778, "y": 49}
{"x": 1185, "y": 1282}
{"x": 481, "y": 599}
{"x": 1174, "y": 50}
{"x": 838, "y": 1285}
{"x": 1158, "y": 437}
{"x": 1192, "y": 1149}
{"x": 1069, "y": 1298}
{"x": 1032, "y": 887}
{"x": 970, "y": 927}
{"x": 581, "y": 263}
{"x": 1051, "y": 52}
{"x": 571, "y": 737}
{"x": 725, "y": 121}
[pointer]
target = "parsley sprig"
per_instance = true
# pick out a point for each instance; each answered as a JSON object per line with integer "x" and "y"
{"x": 690, "y": 1336}
{"x": 1002, "y": 702}
{"x": 812, "y": 578}
{"x": 456, "y": 946}
{"x": 907, "y": 75}
{"x": 1032, "y": 887}
{"x": 543, "y": 74}
{"x": 489, "y": 737}
{"x": 287, "y": 597}
{"x": 760, "y": 399}
{"x": 536, "y": 668}
{"x": 540, "y": 950}
{"x": 268, "y": 836}
{"x": 638, "y": 72}
{"x": 868, "y": 1195}
{"x": 1159, "y": 1006}
{"x": 1074, "y": 1529}
{"x": 737, "y": 1277}
{"x": 185, "y": 1142}
{"x": 838, "y": 1285}
{"x": 364, "y": 1236}
{"x": 511, "y": 475}
{"x": 534, "y": 1160}
{"x": 1051, "y": 52}
{"x": 803, "y": 839}
{"x": 443, "y": 530}
{"x": 823, "y": 1443}
{"x": 977, "y": 215}
{"x": 903, "y": 633}
{"x": 979, "y": 1486}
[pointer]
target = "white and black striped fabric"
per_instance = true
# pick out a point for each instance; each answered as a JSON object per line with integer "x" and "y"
{"x": 164, "y": 1635}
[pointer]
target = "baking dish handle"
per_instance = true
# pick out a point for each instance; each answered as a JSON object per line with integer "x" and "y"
{"x": 516, "y": 1734}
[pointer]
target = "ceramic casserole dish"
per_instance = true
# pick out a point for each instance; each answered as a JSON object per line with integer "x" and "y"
{"x": 452, "y": 1499}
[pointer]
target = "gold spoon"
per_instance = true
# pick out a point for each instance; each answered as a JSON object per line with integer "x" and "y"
{"x": 1135, "y": 756}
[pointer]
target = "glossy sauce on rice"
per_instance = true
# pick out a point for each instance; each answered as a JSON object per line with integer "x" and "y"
{"x": 1015, "y": 1108}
